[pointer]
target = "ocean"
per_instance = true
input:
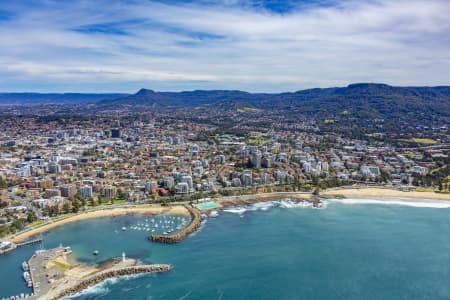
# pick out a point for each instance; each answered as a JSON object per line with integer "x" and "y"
{"x": 352, "y": 249}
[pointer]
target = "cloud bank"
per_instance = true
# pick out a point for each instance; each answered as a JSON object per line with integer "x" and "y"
{"x": 266, "y": 46}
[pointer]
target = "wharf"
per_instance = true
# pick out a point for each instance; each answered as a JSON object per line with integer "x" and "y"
{"x": 39, "y": 274}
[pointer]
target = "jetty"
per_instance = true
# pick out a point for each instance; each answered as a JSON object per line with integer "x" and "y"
{"x": 30, "y": 242}
{"x": 196, "y": 222}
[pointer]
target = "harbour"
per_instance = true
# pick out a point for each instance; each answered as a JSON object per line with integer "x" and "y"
{"x": 290, "y": 237}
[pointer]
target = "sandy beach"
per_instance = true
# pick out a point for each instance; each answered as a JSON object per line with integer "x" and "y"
{"x": 378, "y": 192}
{"x": 107, "y": 212}
{"x": 364, "y": 192}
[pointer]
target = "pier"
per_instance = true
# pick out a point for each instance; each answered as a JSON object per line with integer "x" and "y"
{"x": 31, "y": 242}
{"x": 196, "y": 221}
{"x": 15, "y": 246}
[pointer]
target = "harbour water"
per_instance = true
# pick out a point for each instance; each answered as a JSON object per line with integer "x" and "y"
{"x": 344, "y": 251}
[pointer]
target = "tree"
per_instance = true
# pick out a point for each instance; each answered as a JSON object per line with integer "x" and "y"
{"x": 76, "y": 206}
{"x": 3, "y": 184}
{"x": 67, "y": 207}
{"x": 31, "y": 217}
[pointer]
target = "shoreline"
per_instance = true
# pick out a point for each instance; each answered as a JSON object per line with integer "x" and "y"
{"x": 101, "y": 213}
{"x": 227, "y": 201}
{"x": 383, "y": 193}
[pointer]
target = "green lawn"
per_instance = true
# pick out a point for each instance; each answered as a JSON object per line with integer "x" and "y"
{"x": 420, "y": 141}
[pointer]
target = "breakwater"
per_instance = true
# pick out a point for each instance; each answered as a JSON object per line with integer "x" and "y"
{"x": 196, "y": 221}
{"x": 102, "y": 276}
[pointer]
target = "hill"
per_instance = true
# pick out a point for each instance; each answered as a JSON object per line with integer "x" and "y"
{"x": 367, "y": 100}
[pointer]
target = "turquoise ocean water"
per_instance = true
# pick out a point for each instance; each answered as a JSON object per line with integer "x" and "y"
{"x": 358, "y": 251}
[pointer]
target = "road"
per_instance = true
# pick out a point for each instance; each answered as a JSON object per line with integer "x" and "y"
{"x": 27, "y": 203}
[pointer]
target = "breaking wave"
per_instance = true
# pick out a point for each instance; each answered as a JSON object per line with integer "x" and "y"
{"x": 202, "y": 225}
{"x": 401, "y": 202}
{"x": 102, "y": 288}
{"x": 264, "y": 206}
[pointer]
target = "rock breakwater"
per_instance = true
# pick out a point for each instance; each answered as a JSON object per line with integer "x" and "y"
{"x": 196, "y": 221}
{"x": 116, "y": 272}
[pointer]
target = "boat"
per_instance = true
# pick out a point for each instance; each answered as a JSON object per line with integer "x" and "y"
{"x": 95, "y": 252}
{"x": 25, "y": 266}
{"x": 124, "y": 228}
{"x": 26, "y": 276}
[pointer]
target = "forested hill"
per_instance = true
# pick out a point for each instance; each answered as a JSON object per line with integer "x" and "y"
{"x": 363, "y": 99}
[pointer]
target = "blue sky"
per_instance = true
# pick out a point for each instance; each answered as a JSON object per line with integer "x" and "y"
{"x": 260, "y": 45}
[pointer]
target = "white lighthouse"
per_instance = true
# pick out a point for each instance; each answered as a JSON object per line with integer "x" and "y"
{"x": 123, "y": 257}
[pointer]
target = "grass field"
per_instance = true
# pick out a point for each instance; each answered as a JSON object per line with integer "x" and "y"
{"x": 420, "y": 141}
{"x": 61, "y": 266}
{"x": 256, "y": 141}
{"x": 244, "y": 109}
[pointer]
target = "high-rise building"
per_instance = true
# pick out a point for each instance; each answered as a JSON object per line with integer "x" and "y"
{"x": 188, "y": 180}
{"x": 68, "y": 190}
{"x": 169, "y": 182}
{"x": 109, "y": 192}
{"x": 236, "y": 182}
{"x": 182, "y": 188}
{"x": 221, "y": 159}
{"x": 115, "y": 133}
{"x": 256, "y": 159}
{"x": 150, "y": 186}
{"x": 247, "y": 178}
{"x": 52, "y": 193}
{"x": 86, "y": 191}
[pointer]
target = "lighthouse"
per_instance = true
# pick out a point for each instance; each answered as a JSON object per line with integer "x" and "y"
{"x": 123, "y": 257}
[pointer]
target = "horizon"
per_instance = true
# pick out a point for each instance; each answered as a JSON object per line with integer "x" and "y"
{"x": 212, "y": 90}
{"x": 256, "y": 46}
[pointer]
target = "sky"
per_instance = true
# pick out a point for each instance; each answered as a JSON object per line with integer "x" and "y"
{"x": 252, "y": 45}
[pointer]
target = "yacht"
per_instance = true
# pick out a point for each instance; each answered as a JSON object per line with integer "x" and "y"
{"x": 26, "y": 275}
{"x": 25, "y": 266}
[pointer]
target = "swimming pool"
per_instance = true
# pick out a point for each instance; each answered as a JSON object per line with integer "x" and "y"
{"x": 207, "y": 205}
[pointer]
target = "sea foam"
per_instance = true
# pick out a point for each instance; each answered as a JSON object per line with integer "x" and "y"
{"x": 402, "y": 202}
{"x": 102, "y": 288}
{"x": 264, "y": 206}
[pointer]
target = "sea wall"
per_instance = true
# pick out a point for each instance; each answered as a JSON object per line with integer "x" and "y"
{"x": 102, "y": 276}
{"x": 196, "y": 221}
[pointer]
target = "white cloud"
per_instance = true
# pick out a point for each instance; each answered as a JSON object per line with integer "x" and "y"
{"x": 199, "y": 46}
